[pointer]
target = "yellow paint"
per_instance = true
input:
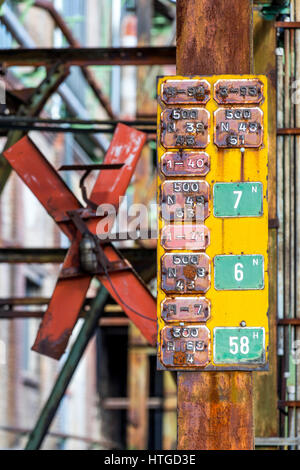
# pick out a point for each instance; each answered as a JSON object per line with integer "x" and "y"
{"x": 229, "y": 235}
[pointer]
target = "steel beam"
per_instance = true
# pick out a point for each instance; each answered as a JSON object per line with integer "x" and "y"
{"x": 288, "y": 24}
{"x": 67, "y": 32}
{"x": 139, "y": 257}
{"x": 52, "y": 192}
{"x": 64, "y": 378}
{"x": 215, "y": 409}
{"x": 82, "y": 56}
{"x": 32, "y": 255}
{"x": 32, "y": 108}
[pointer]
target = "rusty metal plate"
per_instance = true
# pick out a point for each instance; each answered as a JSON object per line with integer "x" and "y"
{"x": 238, "y": 127}
{"x": 185, "y": 273}
{"x": 185, "y": 91}
{"x": 185, "y": 200}
{"x": 244, "y": 91}
{"x": 185, "y": 309}
{"x": 185, "y": 127}
{"x": 185, "y": 164}
{"x": 185, "y": 237}
{"x": 185, "y": 346}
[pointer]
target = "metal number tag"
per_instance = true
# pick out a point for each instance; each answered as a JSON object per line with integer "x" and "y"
{"x": 185, "y": 346}
{"x": 185, "y": 273}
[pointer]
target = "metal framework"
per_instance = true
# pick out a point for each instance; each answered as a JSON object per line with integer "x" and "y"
{"x": 54, "y": 336}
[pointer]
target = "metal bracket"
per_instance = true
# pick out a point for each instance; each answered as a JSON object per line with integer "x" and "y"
{"x": 88, "y": 169}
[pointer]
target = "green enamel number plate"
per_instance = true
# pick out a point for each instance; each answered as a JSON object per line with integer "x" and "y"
{"x": 239, "y": 272}
{"x": 239, "y": 345}
{"x": 238, "y": 199}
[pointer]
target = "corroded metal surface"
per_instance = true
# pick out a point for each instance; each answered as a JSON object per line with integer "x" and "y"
{"x": 185, "y": 127}
{"x": 85, "y": 56}
{"x": 185, "y": 237}
{"x": 185, "y": 200}
{"x": 186, "y": 92}
{"x": 238, "y": 127}
{"x": 208, "y": 418}
{"x": 185, "y": 346}
{"x": 215, "y": 411}
{"x": 244, "y": 91}
{"x": 185, "y": 163}
{"x": 211, "y": 37}
{"x": 185, "y": 273}
{"x": 69, "y": 294}
{"x": 187, "y": 309}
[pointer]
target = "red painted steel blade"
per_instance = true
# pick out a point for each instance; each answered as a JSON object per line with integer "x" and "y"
{"x": 133, "y": 296}
{"x": 125, "y": 147}
{"x": 43, "y": 180}
{"x": 62, "y": 313}
{"x": 46, "y": 184}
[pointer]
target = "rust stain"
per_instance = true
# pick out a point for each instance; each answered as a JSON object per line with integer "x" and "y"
{"x": 222, "y": 405}
{"x": 190, "y": 272}
{"x": 53, "y": 348}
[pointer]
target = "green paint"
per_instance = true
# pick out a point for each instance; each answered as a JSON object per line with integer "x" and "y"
{"x": 238, "y": 199}
{"x": 239, "y": 345}
{"x": 239, "y": 272}
{"x": 65, "y": 375}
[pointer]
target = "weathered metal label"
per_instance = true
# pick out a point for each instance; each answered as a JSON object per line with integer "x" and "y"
{"x": 185, "y": 91}
{"x": 239, "y": 272}
{"x": 238, "y": 199}
{"x": 185, "y": 200}
{"x": 185, "y": 237}
{"x": 185, "y": 164}
{"x": 185, "y": 309}
{"x": 239, "y": 345}
{"x": 185, "y": 127}
{"x": 185, "y": 346}
{"x": 212, "y": 160}
{"x": 238, "y": 127}
{"x": 185, "y": 273}
{"x": 238, "y": 91}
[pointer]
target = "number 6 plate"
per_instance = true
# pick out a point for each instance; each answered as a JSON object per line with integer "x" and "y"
{"x": 240, "y": 272}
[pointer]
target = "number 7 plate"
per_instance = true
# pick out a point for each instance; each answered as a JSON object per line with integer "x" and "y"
{"x": 238, "y": 199}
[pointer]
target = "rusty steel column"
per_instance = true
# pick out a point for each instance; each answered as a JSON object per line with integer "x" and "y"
{"x": 215, "y": 409}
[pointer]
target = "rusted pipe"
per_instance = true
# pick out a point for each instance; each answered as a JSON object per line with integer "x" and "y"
{"x": 90, "y": 78}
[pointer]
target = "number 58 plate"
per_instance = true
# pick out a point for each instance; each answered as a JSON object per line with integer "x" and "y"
{"x": 236, "y": 345}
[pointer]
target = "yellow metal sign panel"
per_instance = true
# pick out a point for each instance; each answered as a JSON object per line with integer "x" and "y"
{"x": 212, "y": 260}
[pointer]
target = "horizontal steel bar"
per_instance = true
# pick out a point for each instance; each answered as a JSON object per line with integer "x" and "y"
{"x": 122, "y": 403}
{"x": 69, "y": 129}
{"x": 59, "y": 435}
{"x": 114, "y": 321}
{"x": 23, "y": 314}
{"x": 288, "y": 321}
{"x": 290, "y": 403}
{"x": 97, "y": 166}
{"x": 57, "y": 255}
{"x": 89, "y": 56}
{"x": 277, "y": 441}
{"x": 24, "y": 301}
{"x": 287, "y": 24}
{"x": 18, "y": 314}
{"x": 32, "y": 255}
{"x": 288, "y": 131}
{"x": 107, "y": 122}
